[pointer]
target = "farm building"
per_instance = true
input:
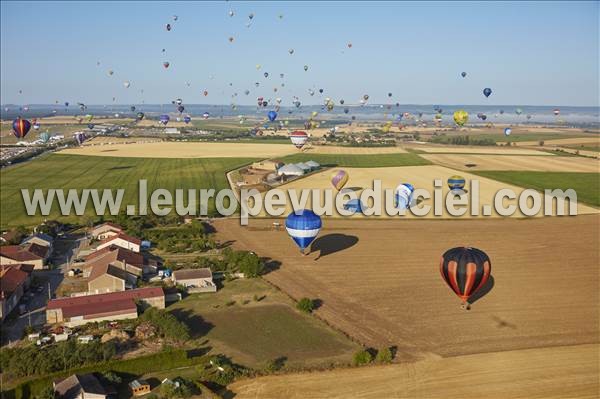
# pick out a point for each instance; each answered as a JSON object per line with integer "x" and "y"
{"x": 270, "y": 165}
{"x": 79, "y": 386}
{"x": 195, "y": 280}
{"x": 130, "y": 261}
{"x": 14, "y": 280}
{"x": 80, "y": 310}
{"x": 139, "y": 387}
{"x": 106, "y": 230}
{"x": 105, "y": 277}
{"x": 290, "y": 170}
{"x": 122, "y": 240}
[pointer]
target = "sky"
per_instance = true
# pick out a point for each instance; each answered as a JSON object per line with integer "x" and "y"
{"x": 528, "y": 53}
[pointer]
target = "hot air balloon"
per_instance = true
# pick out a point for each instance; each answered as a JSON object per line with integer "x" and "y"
{"x": 21, "y": 127}
{"x": 205, "y": 93}
{"x": 465, "y": 270}
{"x": 231, "y": 39}
{"x": 187, "y": 119}
{"x": 456, "y": 183}
{"x": 180, "y": 108}
{"x": 291, "y": 51}
{"x": 168, "y": 27}
{"x": 556, "y": 111}
{"x": 90, "y": 126}
{"x": 305, "y": 68}
{"x": 518, "y": 111}
{"x": 354, "y": 205}
{"x": 346, "y": 110}
{"x": 461, "y": 117}
{"x": 45, "y": 137}
{"x": 272, "y": 115}
{"x": 80, "y": 137}
{"x": 339, "y": 178}
{"x": 366, "y": 97}
{"x": 463, "y": 74}
{"x": 251, "y": 15}
{"x": 66, "y": 103}
{"x": 164, "y": 119}
{"x": 403, "y": 195}
{"x": 487, "y": 91}
{"x": 110, "y": 72}
{"x": 231, "y": 13}
{"x": 166, "y": 64}
{"x": 126, "y": 84}
{"x": 507, "y": 131}
{"x": 139, "y": 116}
{"x": 299, "y": 138}
{"x": 36, "y": 125}
{"x": 205, "y": 115}
{"x": 321, "y": 91}
{"x": 303, "y": 227}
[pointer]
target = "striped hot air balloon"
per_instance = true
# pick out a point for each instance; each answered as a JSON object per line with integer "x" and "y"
{"x": 403, "y": 195}
{"x": 465, "y": 270}
{"x": 299, "y": 138}
{"x": 339, "y": 178}
{"x": 80, "y": 137}
{"x": 456, "y": 183}
{"x": 21, "y": 127}
{"x": 303, "y": 226}
{"x": 164, "y": 119}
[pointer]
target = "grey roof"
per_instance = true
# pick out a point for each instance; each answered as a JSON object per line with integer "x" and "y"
{"x": 138, "y": 383}
{"x": 71, "y": 387}
{"x": 303, "y": 166}
{"x": 42, "y": 236}
{"x": 190, "y": 274}
{"x": 290, "y": 169}
{"x": 313, "y": 164}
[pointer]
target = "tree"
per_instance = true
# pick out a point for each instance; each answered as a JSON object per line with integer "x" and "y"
{"x": 306, "y": 305}
{"x": 362, "y": 357}
{"x": 541, "y": 143}
{"x": 46, "y": 393}
{"x": 384, "y": 356}
{"x": 112, "y": 377}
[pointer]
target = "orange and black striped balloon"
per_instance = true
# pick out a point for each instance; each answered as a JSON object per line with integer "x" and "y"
{"x": 465, "y": 270}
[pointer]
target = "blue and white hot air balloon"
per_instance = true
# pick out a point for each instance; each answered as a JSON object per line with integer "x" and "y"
{"x": 403, "y": 195}
{"x": 303, "y": 226}
{"x": 272, "y": 115}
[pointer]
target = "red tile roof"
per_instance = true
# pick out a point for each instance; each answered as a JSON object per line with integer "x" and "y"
{"x": 123, "y": 236}
{"x": 90, "y": 302}
{"x": 37, "y": 249}
{"x": 11, "y": 279}
{"x": 19, "y": 266}
{"x": 18, "y": 253}
{"x": 119, "y": 253}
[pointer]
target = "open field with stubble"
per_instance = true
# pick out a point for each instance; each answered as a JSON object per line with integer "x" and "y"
{"x": 379, "y": 280}
{"x": 66, "y": 172}
{"x": 542, "y": 373}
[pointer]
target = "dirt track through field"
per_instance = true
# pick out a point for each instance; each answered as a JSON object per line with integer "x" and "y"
{"x": 515, "y": 162}
{"x": 560, "y": 372}
{"x": 379, "y": 281}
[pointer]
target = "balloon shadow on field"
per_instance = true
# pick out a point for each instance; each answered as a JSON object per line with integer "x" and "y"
{"x": 332, "y": 243}
{"x": 483, "y": 291}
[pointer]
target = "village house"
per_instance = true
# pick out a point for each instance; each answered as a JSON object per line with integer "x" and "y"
{"x": 75, "y": 311}
{"x": 31, "y": 253}
{"x": 195, "y": 280}
{"x": 105, "y": 230}
{"x": 105, "y": 277}
{"x": 79, "y": 386}
{"x": 14, "y": 281}
{"x": 122, "y": 240}
{"x": 41, "y": 239}
{"x": 139, "y": 387}
{"x": 130, "y": 261}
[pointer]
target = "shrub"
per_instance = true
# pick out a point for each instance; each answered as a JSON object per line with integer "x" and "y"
{"x": 362, "y": 357}
{"x": 306, "y": 305}
{"x": 167, "y": 324}
{"x": 384, "y": 356}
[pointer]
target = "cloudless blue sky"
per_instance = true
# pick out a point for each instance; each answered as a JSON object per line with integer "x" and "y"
{"x": 536, "y": 53}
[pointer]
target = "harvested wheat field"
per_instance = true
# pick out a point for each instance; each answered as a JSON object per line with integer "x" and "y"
{"x": 559, "y": 372}
{"x": 420, "y": 177}
{"x": 479, "y": 150}
{"x": 515, "y": 162}
{"x": 379, "y": 281}
{"x": 575, "y": 140}
{"x": 326, "y": 149}
{"x": 109, "y": 140}
{"x": 186, "y": 150}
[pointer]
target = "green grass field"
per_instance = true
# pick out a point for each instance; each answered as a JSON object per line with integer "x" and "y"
{"x": 78, "y": 172}
{"x": 587, "y": 185}
{"x": 360, "y": 161}
{"x": 254, "y": 332}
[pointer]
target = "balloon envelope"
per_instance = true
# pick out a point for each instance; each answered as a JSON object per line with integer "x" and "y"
{"x": 456, "y": 183}
{"x": 465, "y": 270}
{"x": 487, "y": 91}
{"x": 507, "y": 131}
{"x": 21, "y": 127}
{"x": 403, "y": 195}
{"x": 461, "y": 117}
{"x": 299, "y": 138}
{"x": 303, "y": 227}
{"x": 272, "y": 115}
{"x": 339, "y": 178}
